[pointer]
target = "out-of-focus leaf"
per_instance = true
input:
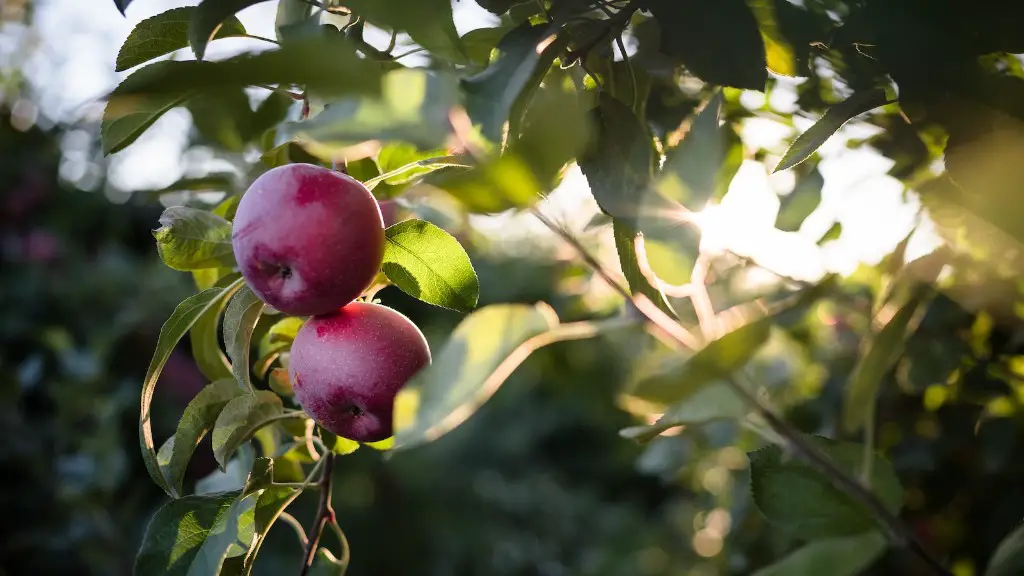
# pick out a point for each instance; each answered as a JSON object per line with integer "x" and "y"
{"x": 280, "y": 335}
{"x": 1008, "y": 559}
{"x": 429, "y": 264}
{"x": 413, "y": 108}
{"x": 179, "y": 323}
{"x": 223, "y": 117}
{"x": 714, "y": 402}
{"x": 325, "y": 564}
{"x": 624, "y": 245}
{"x": 214, "y": 182}
{"x": 163, "y": 34}
{"x": 480, "y": 43}
{"x": 804, "y": 504}
{"x": 719, "y": 42}
{"x": 833, "y": 233}
{"x": 198, "y": 419}
{"x": 190, "y": 239}
{"x": 194, "y": 534}
{"x": 240, "y": 418}
{"x": 801, "y": 202}
{"x": 126, "y": 117}
{"x": 808, "y": 142}
{"x": 288, "y": 153}
{"x": 291, "y": 13}
{"x": 428, "y": 22}
{"x": 209, "y": 17}
{"x": 501, "y": 184}
{"x": 553, "y": 131}
{"x": 878, "y": 358}
{"x": 122, "y": 5}
{"x": 843, "y": 556}
{"x": 779, "y": 53}
{"x": 481, "y": 353}
{"x": 240, "y": 318}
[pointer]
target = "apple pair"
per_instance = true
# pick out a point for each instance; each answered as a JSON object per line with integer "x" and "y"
{"x": 309, "y": 241}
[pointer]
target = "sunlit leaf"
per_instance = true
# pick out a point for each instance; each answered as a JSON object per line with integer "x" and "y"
{"x": 718, "y": 42}
{"x": 280, "y": 335}
{"x": 271, "y": 502}
{"x": 126, "y": 117}
{"x": 194, "y": 534}
{"x": 429, "y": 264}
{"x": 240, "y": 318}
{"x": 209, "y": 17}
{"x": 638, "y": 284}
{"x": 179, "y": 323}
{"x": 878, "y": 358}
{"x": 198, "y": 419}
{"x": 479, "y": 356}
{"x": 1008, "y": 559}
{"x": 803, "y": 503}
{"x": 240, "y": 418}
{"x": 428, "y": 22}
{"x": 779, "y": 53}
{"x": 163, "y": 34}
{"x": 805, "y": 198}
{"x": 190, "y": 239}
{"x": 808, "y": 142}
{"x": 501, "y": 184}
{"x": 843, "y": 556}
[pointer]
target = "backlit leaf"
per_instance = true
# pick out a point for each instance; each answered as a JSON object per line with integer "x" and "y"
{"x": 808, "y": 142}
{"x": 127, "y": 116}
{"x": 191, "y": 239}
{"x": 163, "y": 34}
{"x": 428, "y": 22}
{"x": 427, "y": 263}
{"x": 240, "y": 318}
{"x": 843, "y": 556}
{"x": 805, "y": 198}
{"x": 209, "y": 17}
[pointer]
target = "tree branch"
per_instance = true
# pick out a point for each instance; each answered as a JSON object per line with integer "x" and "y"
{"x": 324, "y": 515}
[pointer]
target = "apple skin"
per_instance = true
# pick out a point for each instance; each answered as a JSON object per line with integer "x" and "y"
{"x": 308, "y": 240}
{"x": 347, "y": 367}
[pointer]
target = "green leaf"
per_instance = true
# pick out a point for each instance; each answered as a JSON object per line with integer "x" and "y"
{"x": 287, "y": 153}
{"x": 268, "y": 114}
{"x": 280, "y": 335}
{"x": 325, "y": 564}
{"x": 480, "y": 354}
{"x": 879, "y": 357}
{"x": 807, "y": 505}
{"x": 127, "y": 116}
{"x": 240, "y": 418}
{"x": 163, "y": 34}
{"x": 844, "y": 556}
{"x": 179, "y": 323}
{"x": 698, "y": 169}
{"x": 291, "y": 13}
{"x": 554, "y": 128}
{"x": 269, "y": 506}
{"x": 501, "y": 184}
{"x": 428, "y": 22}
{"x": 234, "y": 475}
{"x": 491, "y": 94}
{"x": 193, "y": 535}
{"x": 198, "y": 419}
{"x": 717, "y": 401}
{"x": 205, "y": 337}
{"x": 326, "y": 64}
{"x": 413, "y": 107}
{"x": 719, "y": 42}
{"x": 833, "y": 233}
{"x": 480, "y": 43}
{"x": 223, "y": 117}
{"x": 209, "y": 17}
{"x": 405, "y": 163}
{"x": 808, "y": 142}
{"x": 638, "y": 284}
{"x": 805, "y": 198}
{"x": 214, "y": 182}
{"x": 779, "y": 53}
{"x": 191, "y": 239}
{"x": 1008, "y": 559}
{"x": 240, "y": 318}
{"x": 429, "y": 264}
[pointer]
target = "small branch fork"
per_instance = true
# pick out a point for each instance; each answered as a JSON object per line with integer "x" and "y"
{"x": 324, "y": 515}
{"x": 793, "y": 441}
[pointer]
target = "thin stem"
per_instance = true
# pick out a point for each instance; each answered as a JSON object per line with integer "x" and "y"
{"x": 324, "y": 515}
{"x": 297, "y": 526}
{"x": 409, "y": 53}
{"x": 794, "y": 442}
{"x": 391, "y": 43}
{"x": 257, "y": 37}
{"x": 279, "y": 90}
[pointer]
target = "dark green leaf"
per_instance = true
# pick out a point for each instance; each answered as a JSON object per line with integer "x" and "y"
{"x": 795, "y": 207}
{"x": 209, "y": 17}
{"x": 163, "y": 34}
{"x": 843, "y": 556}
{"x": 1008, "y": 559}
{"x": 697, "y": 169}
{"x": 878, "y": 359}
{"x": 429, "y": 264}
{"x": 638, "y": 284}
{"x": 491, "y": 94}
{"x": 807, "y": 505}
{"x": 269, "y": 506}
{"x": 261, "y": 476}
{"x": 223, "y": 117}
{"x": 179, "y": 323}
{"x": 413, "y": 108}
{"x": 466, "y": 371}
{"x": 428, "y": 22}
{"x": 194, "y": 534}
{"x": 126, "y": 117}
{"x": 717, "y": 41}
{"x": 326, "y": 64}
{"x": 205, "y": 338}
{"x": 480, "y": 43}
{"x": 808, "y": 142}
{"x": 268, "y": 115}
{"x": 191, "y": 239}
{"x": 198, "y": 419}
{"x": 240, "y": 318}
{"x": 499, "y": 7}
{"x": 240, "y": 418}
{"x": 122, "y": 5}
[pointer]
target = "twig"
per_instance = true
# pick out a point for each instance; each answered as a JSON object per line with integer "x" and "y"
{"x": 324, "y": 515}
{"x": 257, "y": 37}
{"x": 296, "y": 525}
{"x": 619, "y": 20}
{"x": 793, "y": 440}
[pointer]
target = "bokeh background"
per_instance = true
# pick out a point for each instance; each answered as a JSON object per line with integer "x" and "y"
{"x": 538, "y": 482}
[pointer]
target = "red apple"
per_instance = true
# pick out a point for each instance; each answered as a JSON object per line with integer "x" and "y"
{"x": 347, "y": 367}
{"x": 308, "y": 240}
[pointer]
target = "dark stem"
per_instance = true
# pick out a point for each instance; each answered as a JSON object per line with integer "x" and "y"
{"x": 794, "y": 442}
{"x": 324, "y": 514}
{"x": 613, "y": 25}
